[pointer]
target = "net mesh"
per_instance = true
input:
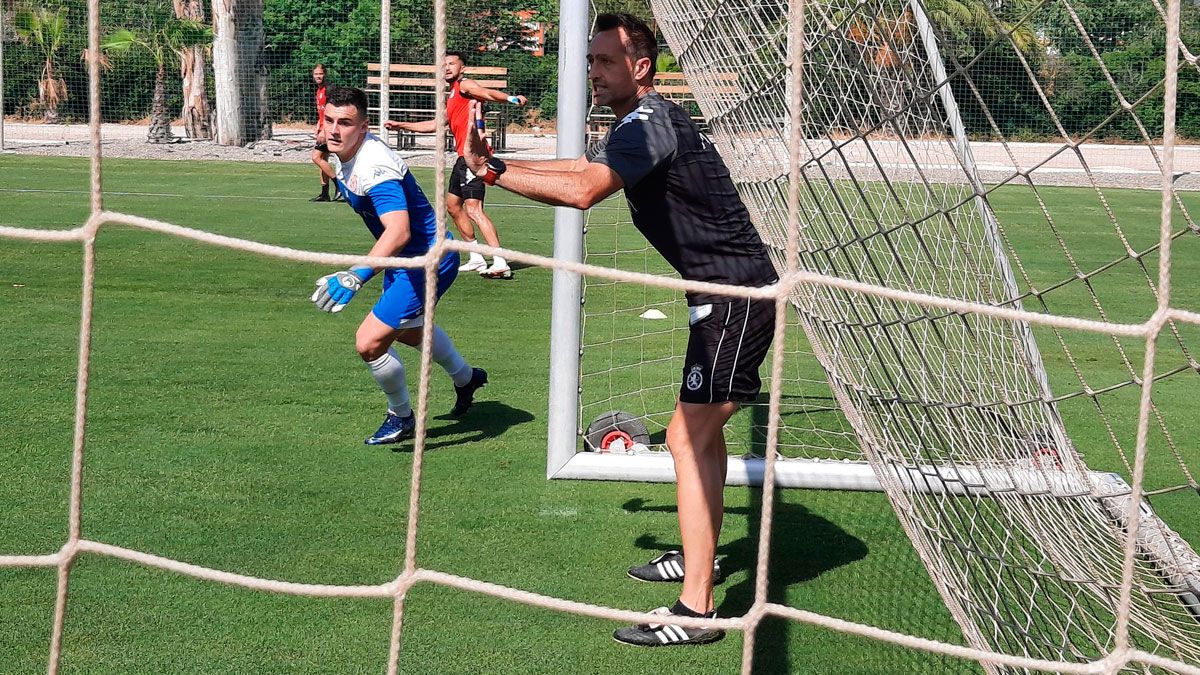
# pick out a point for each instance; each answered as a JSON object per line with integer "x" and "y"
{"x": 634, "y": 337}
{"x": 1023, "y": 540}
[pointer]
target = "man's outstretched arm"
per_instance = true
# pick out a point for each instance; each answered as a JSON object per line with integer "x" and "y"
{"x": 576, "y": 164}
{"x": 578, "y": 189}
{"x": 425, "y": 127}
{"x": 477, "y": 91}
{"x": 577, "y": 183}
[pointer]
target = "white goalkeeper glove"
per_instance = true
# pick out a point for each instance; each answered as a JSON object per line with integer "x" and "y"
{"x": 337, "y": 289}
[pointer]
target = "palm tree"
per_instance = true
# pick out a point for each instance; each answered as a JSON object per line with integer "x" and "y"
{"x": 966, "y": 24}
{"x": 165, "y": 43}
{"x": 961, "y": 21}
{"x": 46, "y": 30}
{"x": 192, "y": 67}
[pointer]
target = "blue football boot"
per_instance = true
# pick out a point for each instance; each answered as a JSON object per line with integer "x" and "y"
{"x": 394, "y": 429}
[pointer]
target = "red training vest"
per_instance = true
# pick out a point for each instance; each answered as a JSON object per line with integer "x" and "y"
{"x": 321, "y": 107}
{"x": 458, "y": 115}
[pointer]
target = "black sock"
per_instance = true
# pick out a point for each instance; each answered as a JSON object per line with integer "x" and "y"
{"x": 681, "y": 609}
{"x": 325, "y": 189}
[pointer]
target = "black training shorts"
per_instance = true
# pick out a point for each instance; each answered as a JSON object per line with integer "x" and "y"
{"x": 726, "y": 345}
{"x": 464, "y": 184}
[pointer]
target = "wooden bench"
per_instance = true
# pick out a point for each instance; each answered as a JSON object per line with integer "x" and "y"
{"x": 410, "y": 98}
{"x": 671, "y": 86}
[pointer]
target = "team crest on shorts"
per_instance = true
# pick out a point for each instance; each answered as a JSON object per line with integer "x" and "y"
{"x": 694, "y": 378}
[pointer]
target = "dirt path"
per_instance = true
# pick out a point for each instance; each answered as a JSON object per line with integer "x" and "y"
{"x": 1046, "y": 163}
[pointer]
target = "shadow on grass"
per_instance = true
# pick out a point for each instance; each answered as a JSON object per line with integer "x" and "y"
{"x": 803, "y": 546}
{"x": 485, "y": 419}
{"x": 515, "y": 266}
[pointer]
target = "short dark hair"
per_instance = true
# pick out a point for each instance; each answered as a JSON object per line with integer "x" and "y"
{"x": 319, "y": 65}
{"x": 641, "y": 37}
{"x": 461, "y": 56}
{"x": 340, "y": 96}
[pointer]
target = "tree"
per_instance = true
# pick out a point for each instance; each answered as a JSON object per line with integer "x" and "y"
{"x": 1129, "y": 38}
{"x": 240, "y": 72}
{"x": 47, "y": 31}
{"x": 971, "y": 24}
{"x": 195, "y": 112}
{"x": 166, "y": 42}
{"x": 976, "y": 40}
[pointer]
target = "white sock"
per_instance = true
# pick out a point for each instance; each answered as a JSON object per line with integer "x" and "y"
{"x": 388, "y": 372}
{"x": 476, "y": 257}
{"x": 497, "y": 261}
{"x": 446, "y": 355}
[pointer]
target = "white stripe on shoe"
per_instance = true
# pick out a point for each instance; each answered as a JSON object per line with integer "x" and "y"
{"x": 669, "y": 633}
{"x": 676, "y": 570}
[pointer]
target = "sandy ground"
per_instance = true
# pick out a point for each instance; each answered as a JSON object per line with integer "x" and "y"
{"x": 1044, "y": 163}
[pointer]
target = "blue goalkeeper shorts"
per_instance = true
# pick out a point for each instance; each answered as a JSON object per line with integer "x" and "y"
{"x": 402, "y": 304}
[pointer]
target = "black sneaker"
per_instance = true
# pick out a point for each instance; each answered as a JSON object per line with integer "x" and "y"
{"x": 665, "y": 634}
{"x": 323, "y": 197}
{"x": 667, "y": 567}
{"x": 465, "y": 395}
{"x": 338, "y": 196}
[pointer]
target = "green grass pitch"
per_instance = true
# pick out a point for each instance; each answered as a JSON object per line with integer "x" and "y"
{"x": 226, "y": 426}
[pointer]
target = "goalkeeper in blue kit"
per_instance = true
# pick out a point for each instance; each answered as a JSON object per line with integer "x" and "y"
{"x": 379, "y": 187}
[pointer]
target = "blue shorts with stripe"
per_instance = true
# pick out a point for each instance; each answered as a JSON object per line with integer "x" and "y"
{"x": 403, "y": 296}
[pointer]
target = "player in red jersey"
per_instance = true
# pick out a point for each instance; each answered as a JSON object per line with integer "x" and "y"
{"x": 465, "y": 199}
{"x": 320, "y": 153}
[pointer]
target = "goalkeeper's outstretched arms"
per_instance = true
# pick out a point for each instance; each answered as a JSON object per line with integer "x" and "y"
{"x": 334, "y": 291}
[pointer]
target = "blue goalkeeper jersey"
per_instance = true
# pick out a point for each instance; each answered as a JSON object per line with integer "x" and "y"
{"x": 377, "y": 181}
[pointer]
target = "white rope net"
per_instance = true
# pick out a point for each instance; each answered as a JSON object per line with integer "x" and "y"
{"x": 954, "y": 410}
{"x": 634, "y": 337}
{"x": 1102, "y": 597}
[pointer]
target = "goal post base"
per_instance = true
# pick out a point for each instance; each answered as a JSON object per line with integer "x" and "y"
{"x": 658, "y": 468}
{"x": 825, "y": 474}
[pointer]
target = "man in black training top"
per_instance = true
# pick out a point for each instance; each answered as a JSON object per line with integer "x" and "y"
{"x": 684, "y": 203}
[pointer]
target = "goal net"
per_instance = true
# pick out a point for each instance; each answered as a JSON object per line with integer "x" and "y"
{"x": 1009, "y": 467}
